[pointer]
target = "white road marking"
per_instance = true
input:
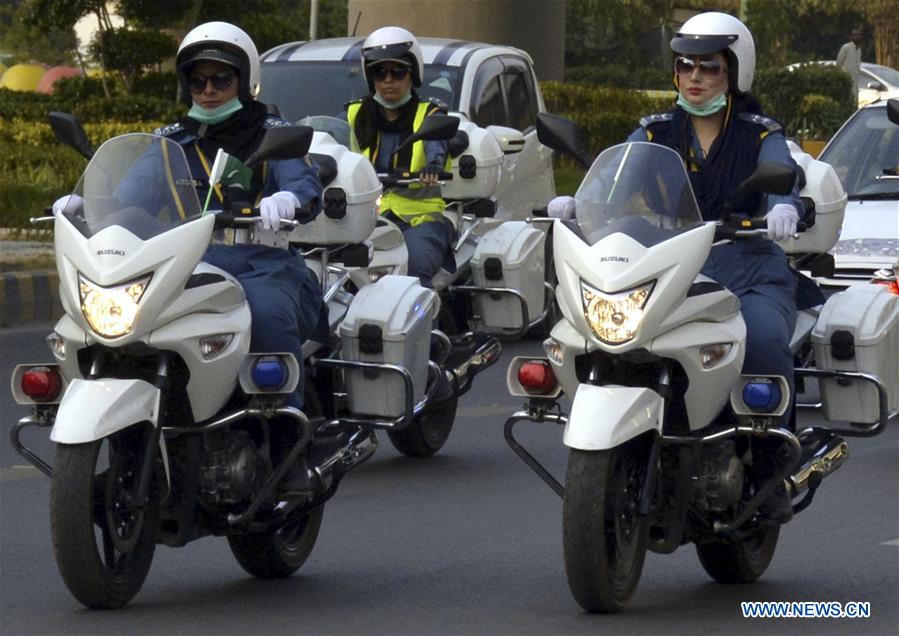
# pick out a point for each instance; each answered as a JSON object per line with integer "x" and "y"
{"x": 893, "y": 542}
{"x": 20, "y": 471}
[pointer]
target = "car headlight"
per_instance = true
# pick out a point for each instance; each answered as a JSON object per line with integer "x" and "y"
{"x": 615, "y": 318}
{"x": 110, "y": 311}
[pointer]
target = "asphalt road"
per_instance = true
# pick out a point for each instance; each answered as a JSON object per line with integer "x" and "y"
{"x": 466, "y": 542}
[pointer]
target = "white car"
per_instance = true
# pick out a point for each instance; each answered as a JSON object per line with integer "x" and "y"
{"x": 875, "y": 82}
{"x": 865, "y": 155}
{"x": 492, "y": 86}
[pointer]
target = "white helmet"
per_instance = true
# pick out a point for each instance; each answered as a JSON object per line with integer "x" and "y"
{"x": 713, "y": 32}
{"x": 220, "y": 42}
{"x": 395, "y": 44}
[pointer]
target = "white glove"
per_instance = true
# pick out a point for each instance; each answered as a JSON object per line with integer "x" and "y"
{"x": 782, "y": 220}
{"x": 280, "y": 205}
{"x": 561, "y": 208}
{"x": 70, "y": 202}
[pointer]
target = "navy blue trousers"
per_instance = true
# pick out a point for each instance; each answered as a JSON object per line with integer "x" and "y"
{"x": 757, "y": 272}
{"x": 284, "y": 296}
{"x": 430, "y": 248}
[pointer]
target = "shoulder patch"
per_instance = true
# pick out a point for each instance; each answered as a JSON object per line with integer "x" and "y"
{"x": 166, "y": 131}
{"x": 657, "y": 118}
{"x": 771, "y": 125}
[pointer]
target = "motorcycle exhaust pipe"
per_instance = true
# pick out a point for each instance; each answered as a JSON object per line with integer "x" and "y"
{"x": 485, "y": 355}
{"x": 825, "y": 460}
{"x": 347, "y": 458}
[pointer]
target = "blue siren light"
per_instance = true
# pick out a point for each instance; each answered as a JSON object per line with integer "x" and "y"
{"x": 762, "y": 395}
{"x": 270, "y": 373}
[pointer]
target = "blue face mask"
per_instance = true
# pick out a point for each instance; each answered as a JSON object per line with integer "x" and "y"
{"x": 216, "y": 115}
{"x": 392, "y": 105}
{"x": 703, "y": 110}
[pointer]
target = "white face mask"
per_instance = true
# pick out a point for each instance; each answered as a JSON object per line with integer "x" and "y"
{"x": 705, "y": 109}
{"x": 402, "y": 101}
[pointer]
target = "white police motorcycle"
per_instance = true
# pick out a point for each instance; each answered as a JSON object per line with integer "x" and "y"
{"x": 165, "y": 424}
{"x": 669, "y": 443}
{"x": 498, "y": 285}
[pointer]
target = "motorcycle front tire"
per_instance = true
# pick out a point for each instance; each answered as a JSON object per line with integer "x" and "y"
{"x": 604, "y": 537}
{"x": 104, "y": 545}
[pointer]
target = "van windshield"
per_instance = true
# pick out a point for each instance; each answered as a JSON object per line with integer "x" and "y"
{"x": 302, "y": 89}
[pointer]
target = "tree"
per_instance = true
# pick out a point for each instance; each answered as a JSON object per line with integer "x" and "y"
{"x": 128, "y": 49}
{"x": 29, "y": 43}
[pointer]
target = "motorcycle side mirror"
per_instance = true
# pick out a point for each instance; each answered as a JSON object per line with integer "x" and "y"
{"x": 69, "y": 131}
{"x": 893, "y": 110}
{"x": 562, "y": 135}
{"x": 433, "y": 128}
{"x": 771, "y": 178}
{"x": 283, "y": 142}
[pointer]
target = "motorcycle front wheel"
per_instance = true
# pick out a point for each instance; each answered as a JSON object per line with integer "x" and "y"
{"x": 604, "y": 536}
{"x": 741, "y": 561}
{"x": 104, "y": 543}
{"x": 281, "y": 551}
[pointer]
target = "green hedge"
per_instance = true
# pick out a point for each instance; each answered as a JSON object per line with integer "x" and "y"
{"x": 811, "y": 101}
{"x": 80, "y": 98}
{"x": 617, "y": 76}
{"x": 37, "y": 170}
{"x": 606, "y": 116}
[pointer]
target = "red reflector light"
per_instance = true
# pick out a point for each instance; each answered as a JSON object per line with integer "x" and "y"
{"x": 41, "y": 384}
{"x": 891, "y": 285}
{"x": 536, "y": 376}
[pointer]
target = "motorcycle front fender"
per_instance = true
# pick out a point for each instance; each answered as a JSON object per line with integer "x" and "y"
{"x": 603, "y": 417}
{"x": 94, "y": 409}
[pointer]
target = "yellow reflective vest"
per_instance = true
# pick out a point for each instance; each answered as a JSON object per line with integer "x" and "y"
{"x": 417, "y": 204}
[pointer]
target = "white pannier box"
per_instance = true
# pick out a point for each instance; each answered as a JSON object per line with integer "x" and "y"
{"x": 476, "y": 171}
{"x": 389, "y": 321}
{"x": 511, "y": 256}
{"x": 858, "y": 330}
{"x": 824, "y": 188}
{"x": 357, "y": 183}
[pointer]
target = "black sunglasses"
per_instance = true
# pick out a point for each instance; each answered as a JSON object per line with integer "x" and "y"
{"x": 220, "y": 81}
{"x": 686, "y": 66}
{"x": 398, "y": 73}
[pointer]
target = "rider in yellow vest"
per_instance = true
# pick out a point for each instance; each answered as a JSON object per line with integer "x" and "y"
{"x": 392, "y": 64}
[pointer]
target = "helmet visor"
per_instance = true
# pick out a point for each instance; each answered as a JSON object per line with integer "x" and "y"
{"x": 211, "y": 54}
{"x": 689, "y": 44}
{"x": 395, "y": 52}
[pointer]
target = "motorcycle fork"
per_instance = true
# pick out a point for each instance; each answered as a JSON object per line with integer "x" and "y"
{"x": 148, "y": 462}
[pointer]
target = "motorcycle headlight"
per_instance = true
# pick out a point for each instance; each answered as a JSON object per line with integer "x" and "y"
{"x": 615, "y": 318}
{"x": 110, "y": 311}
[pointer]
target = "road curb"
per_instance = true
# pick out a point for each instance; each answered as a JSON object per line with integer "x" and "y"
{"x": 29, "y": 298}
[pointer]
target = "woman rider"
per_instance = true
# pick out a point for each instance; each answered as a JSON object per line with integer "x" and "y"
{"x": 392, "y": 65}
{"x": 719, "y": 130}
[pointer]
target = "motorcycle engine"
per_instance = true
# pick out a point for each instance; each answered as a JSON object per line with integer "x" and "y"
{"x": 719, "y": 486}
{"x": 232, "y": 470}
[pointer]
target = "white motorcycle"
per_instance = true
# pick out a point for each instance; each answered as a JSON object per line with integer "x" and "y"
{"x": 497, "y": 286}
{"x": 669, "y": 443}
{"x": 167, "y": 428}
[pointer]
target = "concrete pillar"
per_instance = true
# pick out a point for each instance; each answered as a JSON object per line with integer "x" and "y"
{"x": 536, "y": 26}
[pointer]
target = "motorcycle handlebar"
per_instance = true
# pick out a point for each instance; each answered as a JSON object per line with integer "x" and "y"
{"x": 748, "y": 228}
{"x": 245, "y": 217}
{"x": 405, "y": 179}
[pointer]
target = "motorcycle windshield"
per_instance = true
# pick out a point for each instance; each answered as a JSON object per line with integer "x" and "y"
{"x": 339, "y": 129}
{"x": 139, "y": 182}
{"x": 639, "y": 189}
